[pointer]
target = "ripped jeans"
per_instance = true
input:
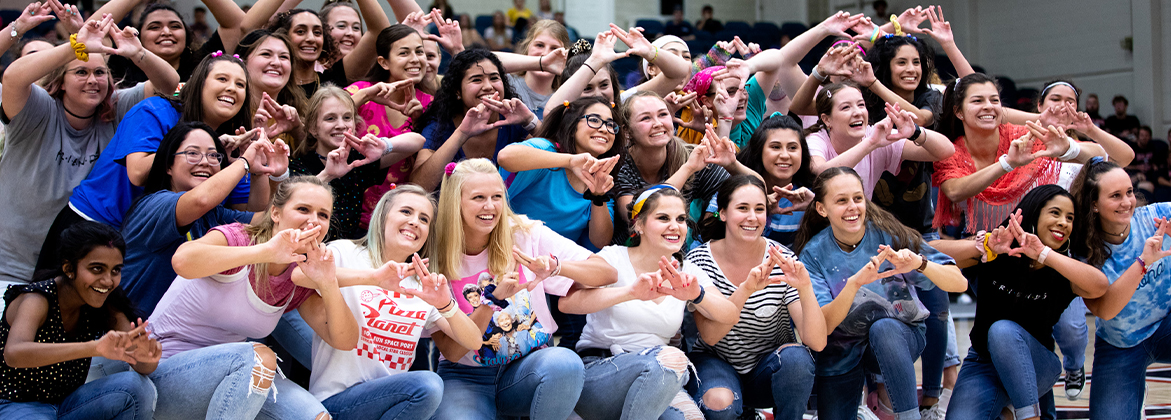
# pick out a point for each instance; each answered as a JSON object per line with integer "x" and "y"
{"x": 229, "y": 381}
{"x": 643, "y": 385}
{"x": 782, "y": 380}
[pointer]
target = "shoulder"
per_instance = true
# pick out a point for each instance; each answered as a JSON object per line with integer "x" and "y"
{"x": 540, "y": 143}
{"x": 234, "y": 233}
{"x": 356, "y": 86}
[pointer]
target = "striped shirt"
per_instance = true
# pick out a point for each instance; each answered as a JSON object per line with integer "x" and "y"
{"x": 764, "y": 321}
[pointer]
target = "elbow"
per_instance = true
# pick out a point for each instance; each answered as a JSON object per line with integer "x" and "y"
{"x": 507, "y": 158}
{"x": 1098, "y": 289}
{"x": 13, "y": 359}
{"x": 184, "y": 262}
{"x": 607, "y": 275}
{"x": 409, "y": 143}
{"x": 816, "y": 343}
{"x": 952, "y": 193}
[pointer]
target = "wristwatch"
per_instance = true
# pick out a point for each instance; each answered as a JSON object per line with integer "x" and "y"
{"x": 922, "y": 266}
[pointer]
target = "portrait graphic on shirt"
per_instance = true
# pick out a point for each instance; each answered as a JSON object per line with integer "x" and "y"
{"x": 513, "y": 332}
{"x": 388, "y": 333}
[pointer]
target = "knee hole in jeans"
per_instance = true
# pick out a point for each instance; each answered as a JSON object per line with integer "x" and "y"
{"x": 717, "y": 399}
{"x": 673, "y": 359}
{"x": 686, "y": 405}
{"x": 264, "y": 371}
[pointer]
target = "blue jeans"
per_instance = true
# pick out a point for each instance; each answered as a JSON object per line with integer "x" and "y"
{"x": 544, "y": 385}
{"x": 296, "y": 337}
{"x": 782, "y": 380}
{"x": 122, "y": 396}
{"x": 1072, "y": 335}
{"x": 407, "y": 395}
{"x": 1120, "y": 373}
{"x": 935, "y": 351}
{"x": 1018, "y": 369}
{"x": 893, "y": 346}
{"x": 631, "y": 386}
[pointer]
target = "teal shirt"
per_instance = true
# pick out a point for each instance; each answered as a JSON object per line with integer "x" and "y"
{"x": 755, "y": 111}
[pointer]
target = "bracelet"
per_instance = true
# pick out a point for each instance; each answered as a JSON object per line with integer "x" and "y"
{"x": 389, "y": 145}
{"x": 492, "y": 300}
{"x": 924, "y": 265}
{"x": 1044, "y": 254}
{"x": 727, "y": 119}
{"x": 597, "y": 199}
{"x": 874, "y": 36}
{"x": 556, "y": 271}
{"x": 451, "y": 311}
{"x": 1142, "y": 264}
{"x": 699, "y": 298}
{"x": 590, "y": 67}
{"x": 915, "y": 136}
{"x": 281, "y": 177}
{"x": 532, "y": 124}
{"x": 656, "y": 55}
{"x": 78, "y": 48}
{"x": 247, "y": 167}
{"x": 817, "y": 75}
{"x": 1074, "y": 150}
{"x": 1004, "y": 163}
{"x": 541, "y": 65}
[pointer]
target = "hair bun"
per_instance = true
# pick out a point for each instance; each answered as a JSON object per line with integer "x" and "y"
{"x": 582, "y": 46}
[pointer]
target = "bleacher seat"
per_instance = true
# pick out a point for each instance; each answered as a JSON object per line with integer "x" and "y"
{"x": 483, "y": 22}
{"x": 767, "y": 34}
{"x": 740, "y": 27}
{"x": 652, "y": 28}
{"x": 792, "y": 29}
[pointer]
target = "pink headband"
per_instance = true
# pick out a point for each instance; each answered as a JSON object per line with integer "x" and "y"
{"x": 702, "y": 81}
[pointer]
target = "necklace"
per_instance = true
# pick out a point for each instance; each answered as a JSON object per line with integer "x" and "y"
{"x": 1119, "y": 235}
{"x": 845, "y": 246}
{"x": 75, "y": 115}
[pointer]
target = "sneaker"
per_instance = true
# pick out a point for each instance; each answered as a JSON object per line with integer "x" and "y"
{"x": 865, "y": 413}
{"x": 936, "y": 412}
{"x": 1075, "y": 380}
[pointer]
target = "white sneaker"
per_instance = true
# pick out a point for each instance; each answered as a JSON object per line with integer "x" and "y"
{"x": 934, "y": 413}
{"x": 864, "y": 413}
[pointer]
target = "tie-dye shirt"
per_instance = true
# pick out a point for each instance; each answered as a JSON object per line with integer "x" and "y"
{"x": 1152, "y": 300}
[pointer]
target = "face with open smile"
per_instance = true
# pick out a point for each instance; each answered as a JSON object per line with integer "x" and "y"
{"x": 1055, "y": 222}
{"x": 223, "y": 92}
{"x": 308, "y": 36}
{"x": 433, "y": 59}
{"x": 408, "y": 223}
{"x": 746, "y": 215}
{"x": 334, "y": 120}
{"x": 848, "y": 116}
{"x": 86, "y": 85}
{"x": 308, "y": 206}
{"x": 163, "y": 34}
{"x": 345, "y": 27}
{"x": 650, "y": 122}
{"x": 980, "y": 109}
{"x": 781, "y": 155}
{"x": 271, "y": 64}
{"x": 96, "y": 274}
{"x": 408, "y": 59}
{"x": 481, "y": 80}
{"x": 594, "y": 141}
{"x": 185, "y": 176}
{"x": 599, "y": 86}
{"x": 481, "y": 204}
{"x": 1058, "y": 95}
{"x": 1116, "y": 200}
{"x": 844, "y": 205}
{"x": 664, "y": 227}
{"x": 906, "y": 70}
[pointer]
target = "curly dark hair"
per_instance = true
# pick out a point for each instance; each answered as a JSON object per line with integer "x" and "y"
{"x": 880, "y": 56}
{"x": 447, "y": 105}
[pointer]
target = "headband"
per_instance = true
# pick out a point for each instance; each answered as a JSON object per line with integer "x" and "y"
{"x": 1045, "y": 91}
{"x": 659, "y": 43}
{"x": 644, "y": 196}
{"x": 702, "y": 81}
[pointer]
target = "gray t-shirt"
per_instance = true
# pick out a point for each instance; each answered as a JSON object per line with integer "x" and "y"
{"x": 533, "y": 100}
{"x": 44, "y": 158}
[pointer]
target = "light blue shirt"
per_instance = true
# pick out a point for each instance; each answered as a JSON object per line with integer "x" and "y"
{"x": 1152, "y": 300}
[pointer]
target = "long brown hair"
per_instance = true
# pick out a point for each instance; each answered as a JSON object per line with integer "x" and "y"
{"x": 677, "y": 150}
{"x": 813, "y": 222}
{"x": 824, "y": 102}
{"x": 1088, "y": 223}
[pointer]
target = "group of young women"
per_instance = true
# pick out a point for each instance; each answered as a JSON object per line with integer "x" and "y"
{"x": 728, "y": 235}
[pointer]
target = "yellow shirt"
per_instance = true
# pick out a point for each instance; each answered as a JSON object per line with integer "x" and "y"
{"x": 513, "y": 14}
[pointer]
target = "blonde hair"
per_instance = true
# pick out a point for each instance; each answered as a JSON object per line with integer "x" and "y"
{"x": 327, "y": 91}
{"x": 447, "y": 247}
{"x": 552, "y": 27}
{"x": 261, "y": 232}
{"x": 374, "y": 241}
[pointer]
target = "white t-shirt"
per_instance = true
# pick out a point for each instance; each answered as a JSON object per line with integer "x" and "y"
{"x": 887, "y": 158}
{"x": 633, "y": 325}
{"x": 389, "y": 325}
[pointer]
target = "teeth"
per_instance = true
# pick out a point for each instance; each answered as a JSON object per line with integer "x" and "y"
{"x": 987, "y": 117}
{"x": 851, "y": 218}
{"x": 100, "y": 290}
{"x": 167, "y": 42}
{"x": 273, "y": 72}
{"x": 671, "y": 237}
{"x": 409, "y": 235}
{"x": 785, "y": 165}
{"x": 750, "y": 228}
{"x": 856, "y": 124}
{"x": 201, "y": 174}
{"x": 227, "y": 99}
{"x": 486, "y": 216}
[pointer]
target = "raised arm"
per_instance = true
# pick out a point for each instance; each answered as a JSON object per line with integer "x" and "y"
{"x": 20, "y": 76}
{"x": 359, "y": 61}
{"x": 602, "y": 54}
{"x": 30, "y": 18}
{"x": 552, "y": 61}
{"x": 161, "y": 77}
{"x": 211, "y": 254}
{"x": 674, "y": 69}
{"x": 941, "y": 31}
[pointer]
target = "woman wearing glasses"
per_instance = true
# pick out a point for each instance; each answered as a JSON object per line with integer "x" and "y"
{"x": 184, "y": 196}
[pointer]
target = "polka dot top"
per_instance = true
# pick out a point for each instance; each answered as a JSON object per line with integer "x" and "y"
{"x": 347, "y": 191}
{"x": 54, "y": 382}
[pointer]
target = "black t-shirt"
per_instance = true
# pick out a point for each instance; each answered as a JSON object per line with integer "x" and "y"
{"x": 681, "y": 29}
{"x": 1116, "y": 125}
{"x": 1152, "y": 159}
{"x": 335, "y": 74}
{"x": 347, "y": 191}
{"x": 126, "y": 74}
{"x": 908, "y": 194}
{"x": 1034, "y": 299}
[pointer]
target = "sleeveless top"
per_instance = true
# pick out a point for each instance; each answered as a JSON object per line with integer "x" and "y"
{"x": 52, "y": 383}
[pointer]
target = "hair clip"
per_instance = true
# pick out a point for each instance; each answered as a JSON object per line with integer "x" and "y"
{"x": 829, "y": 94}
{"x": 220, "y": 53}
{"x": 449, "y": 168}
{"x": 392, "y": 186}
{"x": 957, "y": 86}
{"x": 611, "y": 104}
{"x": 1096, "y": 160}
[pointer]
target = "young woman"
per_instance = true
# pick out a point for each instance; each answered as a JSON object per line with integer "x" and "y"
{"x": 1133, "y": 330}
{"x": 475, "y": 115}
{"x": 534, "y": 87}
{"x": 1021, "y": 299}
{"x": 758, "y": 361}
{"x": 847, "y": 244}
{"x": 315, "y": 48}
{"x": 777, "y": 152}
{"x": 165, "y": 34}
{"x": 183, "y": 199}
{"x": 724, "y": 99}
{"x": 479, "y": 241}
{"x": 350, "y": 164}
{"x": 372, "y": 381}
{"x": 217, "y": 95}
{"x": 234, "y": 283}
{"x": 344, "y": 25}
{"x": 58, "y": 132}
{"x": 995, "y": 163}
{"x": 499, "y": 35}
{"x": 270, "y": 62}
{"x": 631, "y": 370}
{"x": 54, "y": 326}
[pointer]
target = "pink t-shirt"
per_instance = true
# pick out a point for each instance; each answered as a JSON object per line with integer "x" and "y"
{"x": 526, "y": 325}
{"x": 225, "y": 307}
{"x": 887, "y": 158}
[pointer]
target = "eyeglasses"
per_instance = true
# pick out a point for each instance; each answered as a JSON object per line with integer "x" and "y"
{"x": 84, "y": 73}
{"x": 595, "y": 121}
{"x": 194, "y": 157}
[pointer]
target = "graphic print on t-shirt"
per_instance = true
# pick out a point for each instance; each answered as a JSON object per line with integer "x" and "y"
{"x": 513, "y": 332}
{"x": 389, "y": 334}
